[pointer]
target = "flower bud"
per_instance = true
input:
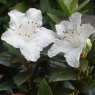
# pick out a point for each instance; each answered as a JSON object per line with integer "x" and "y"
{"x": 87, "y": 49}
{"x": 88, "y": 44}
{"x": 83, "y": 55}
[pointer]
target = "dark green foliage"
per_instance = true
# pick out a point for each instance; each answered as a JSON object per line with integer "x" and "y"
{"x": 46, "y": 76}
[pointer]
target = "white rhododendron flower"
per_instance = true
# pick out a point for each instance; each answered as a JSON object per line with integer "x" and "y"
{"x": 72, "y": 36}
{"x": 25, "y": 32}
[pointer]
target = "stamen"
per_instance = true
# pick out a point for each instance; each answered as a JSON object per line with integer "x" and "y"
{"x": 20, "y": 26}
{"x": 34, "y": 31}
{"x": 37, "y": 26}
{"x": 78, "y": 33}
{"x": 25, "y": 34}
{"x": 28, "y": 36}
{"x": 19, "y": 34}
{"x": 65, "y": 32}
{"x": 72, "y": 32}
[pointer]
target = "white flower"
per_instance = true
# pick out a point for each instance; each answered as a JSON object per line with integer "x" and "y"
{"x": 25, "y": 32}
{"x": 71, "y": 40}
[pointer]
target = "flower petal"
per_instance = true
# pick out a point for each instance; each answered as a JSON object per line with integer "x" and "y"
{"x": 75, "y": 19}
{"x": 12, "y": 38}
{"x": 73, "y": 57}
{"x": 15, "y": 18}
{"x": 63, "y": 26}
{"x": 86, "y": 30}
{"x": 31, "y": 50}
{"x": 60, "y": 46}
{"x": 45, "y": 35}
{"x": 35, "y": 15}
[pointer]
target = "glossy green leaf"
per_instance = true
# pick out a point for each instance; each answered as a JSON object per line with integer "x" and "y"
{"x": 54, "y": 18}
{"x": 45, "y": 5}
{"x": 52, "y": 25}
{"x": 86, "y": 87}
{"x": 5, "y": 58}
{"x": 12, "y": 50}
{"x": 22, "y": 77}
{"x": 3, "y": 1}
{"x": 91, "y": 55}
{"x": 73, "y": 5}
{"x": 44, "y": 88}
{"x": 67, "y": 3}
{"x": 82, "y": 5}
{"x": 64, "y": 7}
{"x": 84, "y": 64}
{"x": 9, "y": 60}
{"x": 7, "y": 85}
{"x": 66, "y": 74}
{"x": 12, "y": 57}
{"x": 23, "y": 88}
{"x": 68, "y": 84}
{"x": 57, "y": 12}
{"x": 64, "y": 91}
{"x": 22, "y": 6}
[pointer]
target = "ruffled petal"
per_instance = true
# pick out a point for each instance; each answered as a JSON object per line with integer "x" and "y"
{"x": 86, "y": 30}
{"x": 63, "y": 26}
{"x": 35, "y": 15}
{"x": 46, "y": 36}
{"x": 12, "y": 38}
{"x": 43, "y": 38}
{"x": 31, "y": 51}
{"x": 60, "y": 46}
{"x": 15, "y": 18}
{"x": 73, "y": 57}
{"x": 75, "y": 19}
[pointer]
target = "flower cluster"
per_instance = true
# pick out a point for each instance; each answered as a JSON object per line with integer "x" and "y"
{"x": 26, "y": 33}
{"x": 71, "y": 40}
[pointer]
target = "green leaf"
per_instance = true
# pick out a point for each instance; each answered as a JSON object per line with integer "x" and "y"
{"x": 87, "y": 87}
{"x": 7, "y": 85}
{"x": 57, "y": 12}
{"x": 64, "y": 7}
{"x": 67, "y": 3}
{"x": 12, "y": 50}
{"x": 3, "y": 1}
{"x": 63, "y": 75}
{"x": 22, "y": 6}
{"x": 73, "y": 5}
{"x": 82, "y": 5}
{"x": 54, "y": 18}
{"x": 9, "y": 60}
{"x": 84, "y": 64}
{"x": 63, "y": 91}
{"x": 52, "y": 25}
{"x": 22, "y": 77}
{"x": 44, "y": 88}
{"x": 91, "y": 55}
{"x": 23, "y": 88}
{"x": 45, "y": 5}
{"x": 68, "y": 84}
{"x": 5, "y": 58}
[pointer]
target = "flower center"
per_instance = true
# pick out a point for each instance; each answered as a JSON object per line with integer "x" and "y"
{"x": 73, "y": 37}
{"x": 26, "y": 36}
{"x": 27, "y": 30}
